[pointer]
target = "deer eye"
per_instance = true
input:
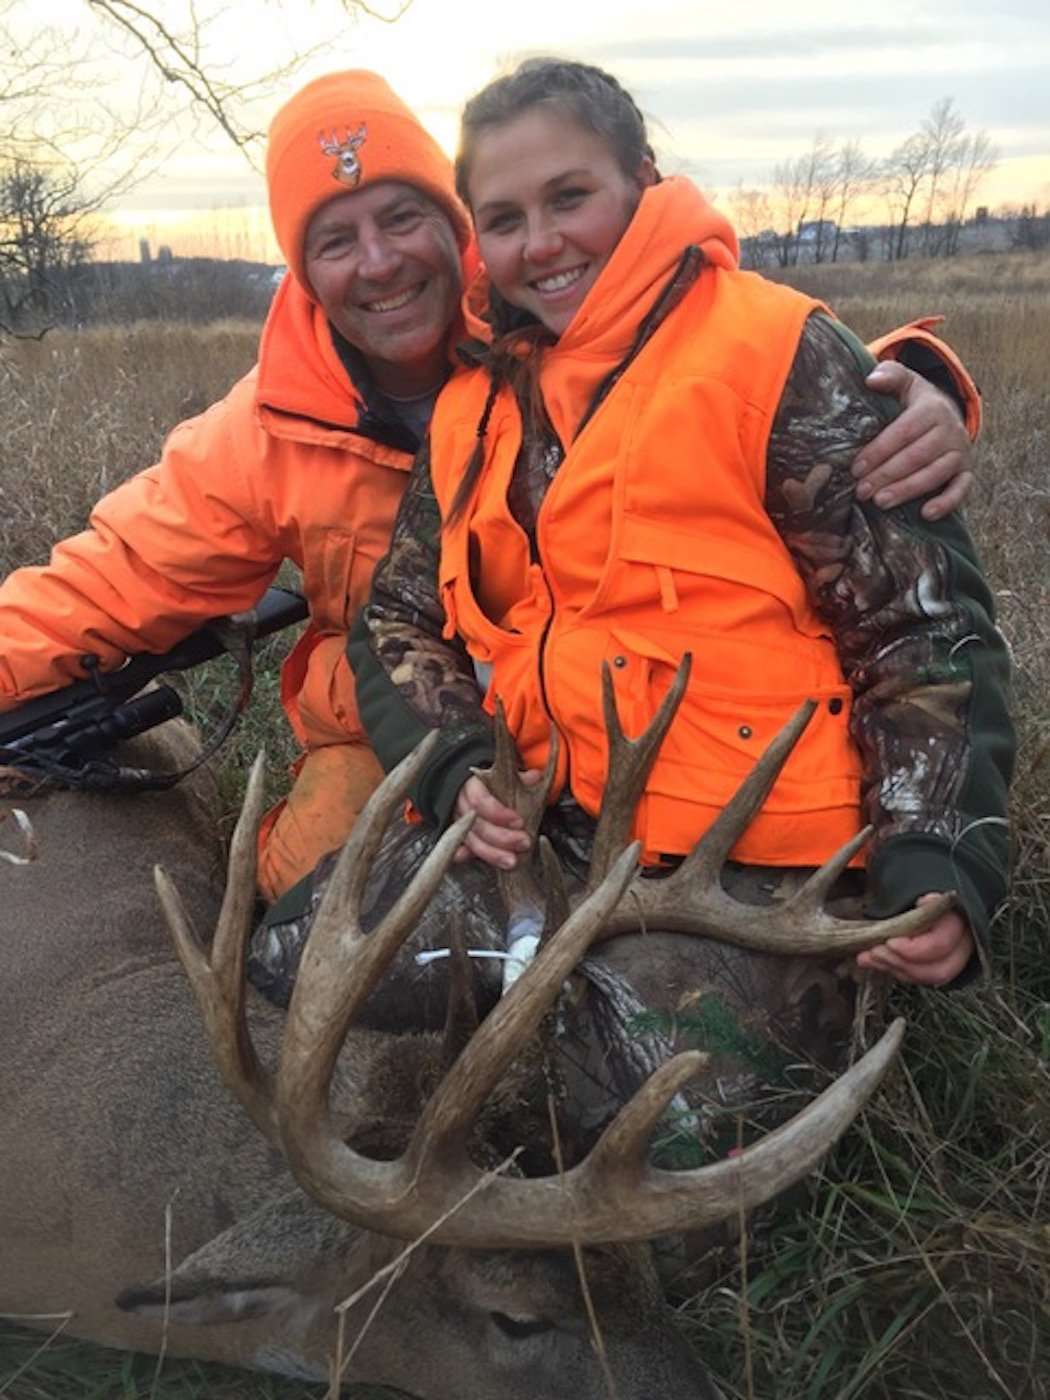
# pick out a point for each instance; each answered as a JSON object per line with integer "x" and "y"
{"x": 518, "y": 1328}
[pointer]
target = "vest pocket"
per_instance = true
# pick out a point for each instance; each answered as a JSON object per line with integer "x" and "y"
{"x": 706, "y": 571}
{"x": 718, "y": 734}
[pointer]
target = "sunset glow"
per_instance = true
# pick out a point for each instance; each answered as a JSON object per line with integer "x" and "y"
{"x": 729, "y": 92}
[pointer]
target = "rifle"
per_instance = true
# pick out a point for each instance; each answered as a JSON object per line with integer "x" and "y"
{"x": 66, "y": 736}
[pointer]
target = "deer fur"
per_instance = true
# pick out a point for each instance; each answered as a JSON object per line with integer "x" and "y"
{"x": 117, "y": 1135}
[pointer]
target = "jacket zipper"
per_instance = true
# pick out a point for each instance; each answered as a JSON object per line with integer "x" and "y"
{"x": 671, "y": 293}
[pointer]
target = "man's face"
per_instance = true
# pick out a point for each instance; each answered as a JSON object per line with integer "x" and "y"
{"x": 384, "y": 264}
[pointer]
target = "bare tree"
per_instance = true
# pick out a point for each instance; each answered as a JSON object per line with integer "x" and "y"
{"x": 977, "y": 158}
{"x": 904, "y": 174}
{"x": 797, "y": 186}
{"x": 43, "y": 235}
{"x": 943, "y": 131}
{"x": 752, "y": 216}
{"x": 824, "y": 165}
{"x": 72, "y": 141}
{"x": 1029, "y": 230}
{"x": 855, "y": 174}
{"x": 173, "y": 41}
{"x": 938, "y": 169}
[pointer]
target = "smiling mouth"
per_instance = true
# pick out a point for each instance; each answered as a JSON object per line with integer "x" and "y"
{"x": 558, "y": 281}
{"x": 395, "y": 302}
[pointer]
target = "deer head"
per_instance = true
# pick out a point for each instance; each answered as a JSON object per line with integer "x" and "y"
{"x": 347, "y": 168}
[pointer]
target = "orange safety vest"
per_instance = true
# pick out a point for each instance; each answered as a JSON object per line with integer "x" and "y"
{"x": 653, "y": 540}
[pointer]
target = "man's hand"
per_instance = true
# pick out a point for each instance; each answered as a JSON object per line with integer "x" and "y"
{"x": 496, "y": 836}
{"x": 928, "y": 959}
{"x": 925, "y": 449}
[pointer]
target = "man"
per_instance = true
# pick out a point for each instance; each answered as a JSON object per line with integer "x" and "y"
{"x": 306, "y": 458}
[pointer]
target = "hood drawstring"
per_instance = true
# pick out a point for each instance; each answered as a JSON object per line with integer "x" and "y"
{"x": 477, "y": 458}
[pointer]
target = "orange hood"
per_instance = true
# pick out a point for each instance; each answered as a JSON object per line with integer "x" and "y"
{"x": 300, "y": 371}
{"x": 671, "y": 217}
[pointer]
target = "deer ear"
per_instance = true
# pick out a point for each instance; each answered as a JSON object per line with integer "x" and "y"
{"x": 259, "y": 1265}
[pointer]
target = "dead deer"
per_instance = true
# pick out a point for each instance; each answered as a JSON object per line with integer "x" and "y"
{"x": 113, "y": 1118}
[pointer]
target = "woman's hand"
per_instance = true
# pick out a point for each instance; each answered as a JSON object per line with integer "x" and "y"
{"x": 929, "y": 959}
{"x": 925, "y": 449}
{"x": 497, "y": 836}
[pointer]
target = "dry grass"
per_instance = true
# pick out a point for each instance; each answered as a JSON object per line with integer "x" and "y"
{"x": 918, "y": 1267}
{"x": 84, "y": 410}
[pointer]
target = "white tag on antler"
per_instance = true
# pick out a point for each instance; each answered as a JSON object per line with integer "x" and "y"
{"x": 523, "y": 941}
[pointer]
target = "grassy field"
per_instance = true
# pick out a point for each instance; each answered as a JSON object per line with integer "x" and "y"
{"x": 918, "y": 1265}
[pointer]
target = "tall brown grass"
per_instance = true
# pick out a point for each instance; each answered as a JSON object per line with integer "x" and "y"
{"x": 920, "y": 1266}
{"x": 82, "y": 411}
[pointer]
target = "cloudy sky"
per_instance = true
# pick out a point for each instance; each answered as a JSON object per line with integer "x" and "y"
{"x": 730, "y": 88}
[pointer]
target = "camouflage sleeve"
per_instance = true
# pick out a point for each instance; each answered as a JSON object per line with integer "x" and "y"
{"x": 410, "y": 679}
{"x": 913, "y": 622}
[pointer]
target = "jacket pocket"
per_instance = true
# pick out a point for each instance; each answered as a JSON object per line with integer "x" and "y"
{"x": 335, "y": 577}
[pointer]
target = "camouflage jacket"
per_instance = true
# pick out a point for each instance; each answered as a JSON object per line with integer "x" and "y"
{"x": 910, "y": 611}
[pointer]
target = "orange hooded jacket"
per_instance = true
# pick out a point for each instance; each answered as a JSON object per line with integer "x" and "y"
{"x": 653, "y": 540}
{"x": 281, "y": 468}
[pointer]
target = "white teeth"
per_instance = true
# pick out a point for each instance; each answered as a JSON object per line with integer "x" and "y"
{"x": 392, "y": 303}
{"x": 559, "y": 281}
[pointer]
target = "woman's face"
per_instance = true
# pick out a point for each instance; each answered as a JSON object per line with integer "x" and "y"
{"x": 550, "y": 204}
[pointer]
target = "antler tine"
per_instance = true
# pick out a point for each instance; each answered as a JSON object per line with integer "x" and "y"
{"x": 667, "y": 1201}
{"x": 340, "y": 906}
{"x": 692, "y": 901}
{"x": 817, "y": 888}
{"x": 341, "y": 966}
{"x": 219, "y": 982}
{"x": 503, "y": 780}
{"x": 629, "y": 763}
{"x": 556, "y": 901}
{"x": 711, "y": 851}
{"x": 461, "y": 1019}
{"x": 502, "y": 777}
{"x": 622, "y": 1150}
{"x": 442, "y": 1128}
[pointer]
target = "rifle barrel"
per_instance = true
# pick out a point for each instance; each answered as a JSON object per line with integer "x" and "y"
{"x": 278, "y": 608}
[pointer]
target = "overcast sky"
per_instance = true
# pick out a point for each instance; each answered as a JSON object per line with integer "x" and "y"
{"x": 730, "y": 88}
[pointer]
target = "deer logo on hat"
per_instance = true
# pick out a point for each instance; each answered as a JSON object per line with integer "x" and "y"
{"x": 347, "y": 168}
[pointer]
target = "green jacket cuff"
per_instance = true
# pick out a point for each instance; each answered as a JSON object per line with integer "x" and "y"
{"x": 912, "y": 865}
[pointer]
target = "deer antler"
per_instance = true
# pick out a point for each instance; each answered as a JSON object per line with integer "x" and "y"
{"x": 629, "y": 765}
{"x": 691, "y": 899}
{"x": 503, "y": 780}
{"x": 614, "y": 1194}
{"x": 219, "y": 980}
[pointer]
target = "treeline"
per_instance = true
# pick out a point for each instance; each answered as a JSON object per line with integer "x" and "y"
{"x": 835, "y": 201}
{"x": 48, "y": 276}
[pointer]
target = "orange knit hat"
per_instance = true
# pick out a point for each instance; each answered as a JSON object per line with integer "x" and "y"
{"x": 340, "y": 133}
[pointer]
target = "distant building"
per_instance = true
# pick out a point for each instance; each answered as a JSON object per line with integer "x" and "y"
{"x": 816, "y": 231}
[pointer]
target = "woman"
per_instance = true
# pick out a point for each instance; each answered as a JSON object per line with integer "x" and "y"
{"x": 649, "y": 453}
